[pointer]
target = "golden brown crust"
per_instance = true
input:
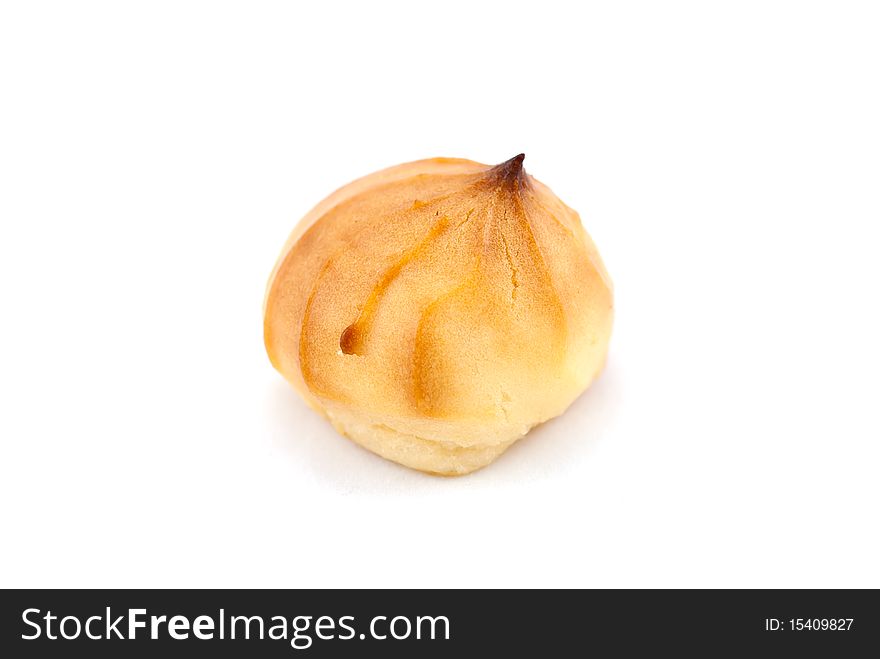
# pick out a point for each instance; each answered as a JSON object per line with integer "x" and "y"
{"x": 437, "y": 310}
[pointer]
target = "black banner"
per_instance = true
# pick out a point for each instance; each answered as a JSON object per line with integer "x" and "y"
{"x": 333, "y": 623}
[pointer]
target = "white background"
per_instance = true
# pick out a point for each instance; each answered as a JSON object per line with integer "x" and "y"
{"x": 725, "y": 157}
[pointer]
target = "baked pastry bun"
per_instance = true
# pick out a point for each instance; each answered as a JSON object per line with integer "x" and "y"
{"x": 436, "y": 311}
